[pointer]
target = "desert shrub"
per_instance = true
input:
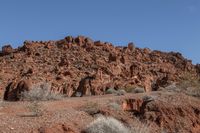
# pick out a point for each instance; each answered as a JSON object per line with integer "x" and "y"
{"x": 121, "y": 92}
{"x": 114, "y": 105}
{"x": 106, "y": 125}
{"x": 190, "y": 84}
{"x": 140, "y": 128}
{"x": 148, "y": 98}
{"x": 189, "y": 80}
{"x": 117, "y": 92}
{"x": 134, "y": 89}
{"x": 172, "y": 87}
{"x": 129, "y": 88}
{"x": 111, "y": 91}
{"x": 91, "y": 108}
{"x": 40, "y": 92}
{"x": 138, "y": 90}
{"x": 193, "y": 91}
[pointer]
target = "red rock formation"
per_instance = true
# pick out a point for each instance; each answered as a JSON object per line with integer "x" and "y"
{"x": 176, "y": 115}
{"x": 66, "y": 62}
{"x": 14, "y": 90}
{"x": 7, "y": 49}
{"x": 132, "y": 105}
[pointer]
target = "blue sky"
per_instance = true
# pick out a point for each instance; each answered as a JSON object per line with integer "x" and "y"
{"x": 168, "y": 25}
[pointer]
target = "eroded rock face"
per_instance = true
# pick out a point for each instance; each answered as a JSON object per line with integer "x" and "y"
{"x": 176, "y": 116}
{"x": 132, "y": 105}
{"x": 167, "y": 116}
{"x": 85, "y": 87}
{"x": 14, "y": 89}
{"x": 66, "y": 62}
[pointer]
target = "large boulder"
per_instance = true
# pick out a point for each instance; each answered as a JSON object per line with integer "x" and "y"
{"x": 161, "y": 82}
{"x": 14, "y": 90}
{"x": 85, "y": 87}
{"x": 7, "y": 49}
{"x": 112, "y": 57}
{"x": 132, "y": 104}
{"x": 80, "y": 40}
{"x": 131, "y": 46}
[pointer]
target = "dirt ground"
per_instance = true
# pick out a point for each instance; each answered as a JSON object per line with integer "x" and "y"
{"x": 77, "y": 113}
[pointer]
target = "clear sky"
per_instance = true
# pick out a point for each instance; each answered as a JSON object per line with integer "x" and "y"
{"x": 169, "y": 25}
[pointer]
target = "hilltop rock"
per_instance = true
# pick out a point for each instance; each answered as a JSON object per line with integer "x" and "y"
{"x": 131, "y": 46}
{"x": 7, "y": 49}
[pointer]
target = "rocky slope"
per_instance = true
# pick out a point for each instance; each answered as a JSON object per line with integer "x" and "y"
{"x": 80, "y": 66}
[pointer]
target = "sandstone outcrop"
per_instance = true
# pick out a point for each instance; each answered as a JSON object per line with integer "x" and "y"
{"x": 68, "y": 62}
{"x": 14, "y": 89}
{"x": 169, "y": 117}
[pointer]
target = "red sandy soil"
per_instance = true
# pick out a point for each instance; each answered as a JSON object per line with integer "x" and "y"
{"x": 168, "y": 111}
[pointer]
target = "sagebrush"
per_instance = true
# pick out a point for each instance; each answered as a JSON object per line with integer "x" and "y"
{"x": 106, "y": 125}
{"x": 190, "y": 84}
{"x": 40, "y": 92}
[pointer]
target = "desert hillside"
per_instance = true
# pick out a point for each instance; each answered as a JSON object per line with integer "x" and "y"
{"x": 80, "y": 66}
{"x": 77, "y": 85}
